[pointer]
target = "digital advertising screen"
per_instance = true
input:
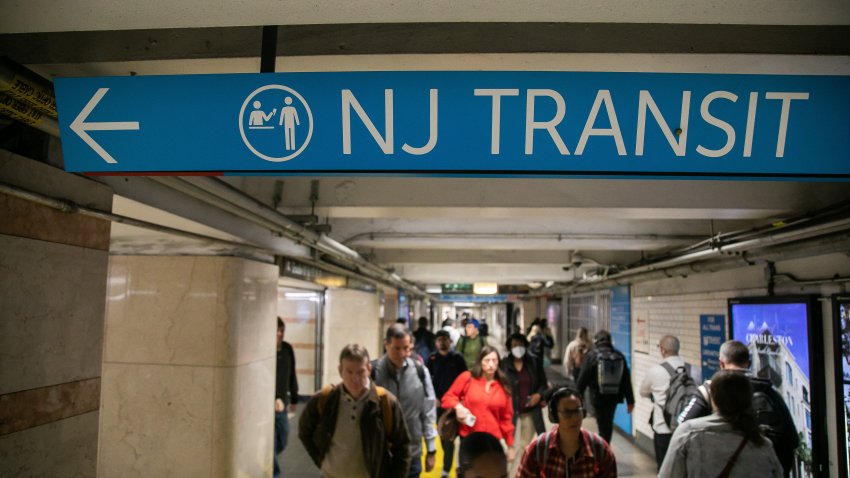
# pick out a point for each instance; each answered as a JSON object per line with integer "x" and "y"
{"x": 778, "y": 332}
{"x": 841, "y": 348}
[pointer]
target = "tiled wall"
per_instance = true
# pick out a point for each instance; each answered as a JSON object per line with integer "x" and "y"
{"x": 676, "y": 315}
{"x": 53, "y": 268}
{"x": 188, "y": 370}
{"x": 674, "y": 305}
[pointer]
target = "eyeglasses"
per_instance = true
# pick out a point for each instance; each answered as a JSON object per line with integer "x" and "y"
{"x": 576, "y": 412}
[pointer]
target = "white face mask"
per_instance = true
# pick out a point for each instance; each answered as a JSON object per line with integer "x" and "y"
{"x": 518, "y": 351}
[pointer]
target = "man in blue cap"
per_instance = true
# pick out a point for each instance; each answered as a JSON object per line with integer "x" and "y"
{"x": 470, "y": 344}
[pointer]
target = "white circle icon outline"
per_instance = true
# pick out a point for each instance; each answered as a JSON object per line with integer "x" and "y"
{"x": 242, "y": 125}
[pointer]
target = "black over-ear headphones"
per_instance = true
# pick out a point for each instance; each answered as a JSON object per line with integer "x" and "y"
{"x": 557, "y": 396}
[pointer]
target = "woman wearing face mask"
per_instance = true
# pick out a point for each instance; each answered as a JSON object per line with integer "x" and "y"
{"x": 528, "y": 382}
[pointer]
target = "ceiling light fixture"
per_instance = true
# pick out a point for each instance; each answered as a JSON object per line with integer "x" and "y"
{"x": 485, "y": 288}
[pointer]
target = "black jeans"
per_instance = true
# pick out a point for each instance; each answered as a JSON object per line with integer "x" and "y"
{"x": 605, "y": 417}
{"x": 661, "y": 442}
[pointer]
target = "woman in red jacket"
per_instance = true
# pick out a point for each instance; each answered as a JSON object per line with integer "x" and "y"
{"x": 484, "y": 394}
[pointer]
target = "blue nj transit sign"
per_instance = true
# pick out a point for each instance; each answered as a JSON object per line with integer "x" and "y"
{"x": 460, "y": 123}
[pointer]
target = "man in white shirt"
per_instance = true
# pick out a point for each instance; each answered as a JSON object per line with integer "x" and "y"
{"x": 654, "y": 386}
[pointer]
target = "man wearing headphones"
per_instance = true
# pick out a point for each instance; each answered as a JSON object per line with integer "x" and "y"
{"x": 568, "y": 449}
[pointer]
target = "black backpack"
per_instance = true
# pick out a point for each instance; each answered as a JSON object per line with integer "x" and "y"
{"x": 680, "y": 394}
{"x": 773, "y": 422}
{"x": 609, "y": 371}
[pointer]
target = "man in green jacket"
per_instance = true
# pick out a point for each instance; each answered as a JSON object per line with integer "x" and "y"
{"x": 355, "y": 429}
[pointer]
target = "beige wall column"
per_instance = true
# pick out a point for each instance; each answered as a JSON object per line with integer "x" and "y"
{"x": 188, "y": 369}
{"x": 53, "y": 269}
{"x": 351, "y": 316}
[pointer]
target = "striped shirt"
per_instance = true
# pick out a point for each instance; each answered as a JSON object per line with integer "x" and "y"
{"x": 543, "y": 458}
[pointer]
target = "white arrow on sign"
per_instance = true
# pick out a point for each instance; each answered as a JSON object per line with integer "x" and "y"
{"x": 80, "y": 126}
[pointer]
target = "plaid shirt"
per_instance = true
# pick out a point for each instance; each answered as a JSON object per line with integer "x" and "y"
{"x": 593, "y": 459}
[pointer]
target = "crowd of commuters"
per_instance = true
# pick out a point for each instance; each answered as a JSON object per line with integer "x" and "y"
{"x": 375, "y": 422}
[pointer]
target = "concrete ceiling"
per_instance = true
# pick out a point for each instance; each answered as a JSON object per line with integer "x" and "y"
{"x": 435, "y": 230}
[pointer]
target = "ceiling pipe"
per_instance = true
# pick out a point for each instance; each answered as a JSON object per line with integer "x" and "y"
{"x": 824, "y": 239}
{"x": 27, "y": 114}
{"x": 377, "y": 236}
{"x": 223, "y": 195}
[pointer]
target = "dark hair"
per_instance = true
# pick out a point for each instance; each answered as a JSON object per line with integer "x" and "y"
{"x": 280, "y": 323}
{"x": 735, "y": 353}
{"x": 443, "y": 333}
{"x": 555, "y": 398}
{"x": 354, "y": 352}
{"x": 516, "y": 336}
{"x": 602, "y": 337}
{"x": 476, "y": 445}
{"x": 397, "y": 331}
{"x": 448, "y": 322}
{"x": 499, "y": 375}
{"x": 732, "y": 395}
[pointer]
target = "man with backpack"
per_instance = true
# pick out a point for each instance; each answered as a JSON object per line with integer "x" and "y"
{"x": 355, "y": 429}
{"x": 408, "y": 380}
{"x": 670, "y": 387}
{"x": 771, "y": 412}
{"x": 605, "y": 372}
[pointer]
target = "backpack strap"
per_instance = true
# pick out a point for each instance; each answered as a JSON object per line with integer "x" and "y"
{"x": 669, "y": 368}
{"x": 728, "y": 468}
{"x": 324, "y": 393}
{"x": 420, "y": 370}
{"x": 704, "y": 390}
{"x": 386, "y": 412}
{"x": 545, "y": 452}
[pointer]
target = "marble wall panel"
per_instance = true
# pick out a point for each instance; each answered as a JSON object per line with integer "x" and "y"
{"x": 246, "y": 331}
{"x": 190, "y": 310}
{"x": 350, "y": 317}
{"x": 22, "y": 218}
{"x": 182, "y": 331}
{"x": 39, "y": 406}
{"x": 156, "y": 420}
{"x": 51, "y": 317}
{"x": 243, "y": 440}
{"x": 163, "y": 310}
{"x": 65, "y": 448}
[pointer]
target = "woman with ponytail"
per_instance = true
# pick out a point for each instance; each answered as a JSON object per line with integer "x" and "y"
{"x": 727, "y": 443}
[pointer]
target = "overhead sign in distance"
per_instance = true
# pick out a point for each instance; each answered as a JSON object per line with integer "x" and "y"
{"x": 476, "y": 123}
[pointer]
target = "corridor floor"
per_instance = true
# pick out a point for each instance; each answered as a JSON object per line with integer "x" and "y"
{"x": 632, "y": 462}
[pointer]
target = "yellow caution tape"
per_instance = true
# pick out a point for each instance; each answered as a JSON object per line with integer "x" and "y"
{"x": 23, "y": 89}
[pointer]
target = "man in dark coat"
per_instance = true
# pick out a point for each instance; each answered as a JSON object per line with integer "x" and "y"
{"x": 445, "y": 366}
{"x": 355, "y": 429}
{"x": 771, "y": 411}
{"x": 286, "y": 393}
{"x": 606, "y": 396}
